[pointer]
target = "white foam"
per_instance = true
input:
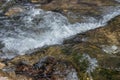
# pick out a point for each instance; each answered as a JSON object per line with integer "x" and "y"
{"x": 92, "y": 65}
{"x": 117, "y": 0}
{"x": 72, "y": 75}
{"x": 39, "y": 28}
{"x": 113, "y": 49}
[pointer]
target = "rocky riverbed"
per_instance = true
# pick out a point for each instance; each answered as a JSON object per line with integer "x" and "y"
{"x": 93, "y": 54}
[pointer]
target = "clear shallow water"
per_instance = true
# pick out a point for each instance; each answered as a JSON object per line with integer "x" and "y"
{"x": 36, "y": 28}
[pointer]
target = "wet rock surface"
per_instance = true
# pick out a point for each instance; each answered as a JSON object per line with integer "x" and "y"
{"x": 78, "y": 8}
{"x": 72, "y": 51}
{"x": 47, "y": 68}
{"x": 74, "y": 10}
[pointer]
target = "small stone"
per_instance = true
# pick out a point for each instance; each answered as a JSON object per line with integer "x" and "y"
{"x": 41, "y": 1}
{"x": 4, "y": 78}
{"x": 2, "y": 65}
{"x": 34, "y": 1}
{"x": 14, "y": 11}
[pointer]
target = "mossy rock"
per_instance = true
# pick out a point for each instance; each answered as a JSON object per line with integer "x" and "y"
{"x": 106, "y": 74}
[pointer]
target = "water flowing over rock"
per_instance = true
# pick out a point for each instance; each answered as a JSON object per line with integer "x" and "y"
{"x": 117, "y": 0}
{"x": 111, "y": 49}
{"x": 36, "y": 28}
{"x": 59, "y": 40}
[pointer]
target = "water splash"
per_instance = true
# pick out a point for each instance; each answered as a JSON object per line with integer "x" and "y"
{"x": 36, "y": 28}
{"x": 111, "y": 49}
{"x": 117, "y": 0}
{"x": 93, "y": 63}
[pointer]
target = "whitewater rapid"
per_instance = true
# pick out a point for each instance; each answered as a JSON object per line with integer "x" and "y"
{"x": 36, "y": 28}
{"x": 117, "y": 0}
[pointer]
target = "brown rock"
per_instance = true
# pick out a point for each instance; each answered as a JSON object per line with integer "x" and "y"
{"x": 14, "y": 10}
{"x": 41, "y": 1}
{"x": 78, "y": 7}
{"x": 4, "y": 78}
{"x": 2, "y": 65}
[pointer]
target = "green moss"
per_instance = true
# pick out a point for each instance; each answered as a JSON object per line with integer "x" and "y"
{"x": 81, "y": 63}
{"x": 106, "y": 74}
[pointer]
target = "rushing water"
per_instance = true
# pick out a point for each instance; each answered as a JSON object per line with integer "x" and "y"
{"x": 36, "y": 28}
{"x": 117, "y": 0}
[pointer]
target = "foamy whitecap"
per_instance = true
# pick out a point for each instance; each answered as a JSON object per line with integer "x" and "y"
{"x": 117, "y": 0}
{"x": 36, "y": 28}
